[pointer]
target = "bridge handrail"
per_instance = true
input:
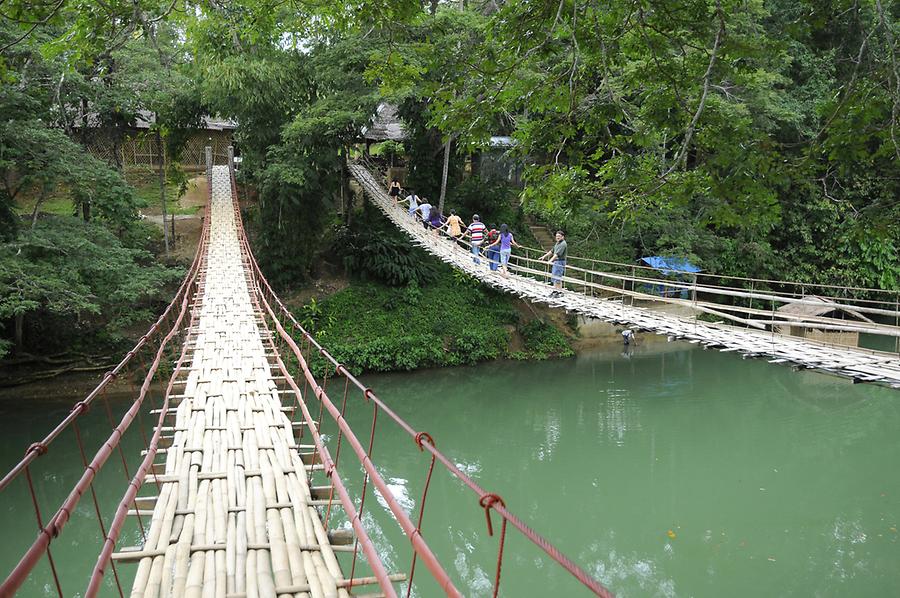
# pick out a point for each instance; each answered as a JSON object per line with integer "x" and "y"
{"x": 889, "y": 308}
{"x": 702, "y": 274}
{"x": 57, "y": 521}
{"x": 424, "y": 441}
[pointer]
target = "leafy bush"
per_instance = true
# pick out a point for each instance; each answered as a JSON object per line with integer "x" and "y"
{"x": 494, "y": 201}
{"x": 543, "y": 340}
{"x": 380, "y": 328}
{"x": 67, "y": 279}
{"x": 373, "y": 249}
{"x": 388, "y": 149}
{"x": 376, "y": 257}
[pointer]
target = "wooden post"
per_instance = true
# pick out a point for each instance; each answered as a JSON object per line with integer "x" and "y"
{"x": 751, "y": 294}
{"x": 633, "y": 273}
{"x": 162, "y": 187}
{"x": 209, "y": 165}
{"x": 897, "y": 321}
{"x": 773, "y": 320}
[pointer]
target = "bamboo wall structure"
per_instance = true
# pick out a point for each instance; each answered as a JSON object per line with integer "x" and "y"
{"x": 140, "y": 151}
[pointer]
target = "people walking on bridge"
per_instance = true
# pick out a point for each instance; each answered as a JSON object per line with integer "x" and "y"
{"x": 413, "y": 200}
{"x": 424, "y": 210}
{"x": 557, "y": 261}
{"x": 455, "y": 226}
{"x": 492, "y": 253}
{"x": 506, "y": 241}
{"x": 475, "y": 232}
{"x": 394, "y": 189}
{"x": 435, "y": 220}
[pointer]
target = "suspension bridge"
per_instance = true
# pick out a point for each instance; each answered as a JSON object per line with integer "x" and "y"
{"x": 755, "y": 318}
{"x": 238, "y": 489}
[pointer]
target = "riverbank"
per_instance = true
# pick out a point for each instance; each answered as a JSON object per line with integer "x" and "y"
{"x": 81, "y": 293}
{"x": 449, "y": 321}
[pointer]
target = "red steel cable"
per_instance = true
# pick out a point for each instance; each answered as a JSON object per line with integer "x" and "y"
{"x": 56, "y": 523}
{"x": 577, "y": 572}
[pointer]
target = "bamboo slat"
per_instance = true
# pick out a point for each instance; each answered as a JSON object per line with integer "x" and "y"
{"x": 850, "y": 362}
{"x": 234, "y": 514}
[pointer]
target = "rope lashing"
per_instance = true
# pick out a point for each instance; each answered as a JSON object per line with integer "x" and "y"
{"x": 486, "y": 502}
{"x": 424, "y": 436}
{"x": 37, "y": 447}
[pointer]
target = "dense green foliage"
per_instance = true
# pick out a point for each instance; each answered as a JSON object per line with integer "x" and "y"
{"x": 71, "y": 283}
{"x": 756, "y": 138}
{"x": 452, "y": 320}
{"x": 65, "y": 282}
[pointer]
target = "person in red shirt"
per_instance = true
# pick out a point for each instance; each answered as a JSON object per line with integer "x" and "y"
{"x": 492, "y": 253}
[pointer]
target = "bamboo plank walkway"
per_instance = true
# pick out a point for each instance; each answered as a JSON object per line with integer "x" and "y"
{"x": 235, "y": 516}
{"x": 858, "y": 364}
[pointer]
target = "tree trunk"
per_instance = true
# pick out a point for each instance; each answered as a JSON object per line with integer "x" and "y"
{"x": 444, "y": 175}
{"x": 86, "y": 210}
{"x": 19, "y": 332}
{"x": 83, "y": 131}
{"x": 162, "y": 188}
{"x": 37, "y": 206}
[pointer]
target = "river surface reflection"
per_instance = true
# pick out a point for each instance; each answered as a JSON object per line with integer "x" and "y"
{"x": 669, "y": 471}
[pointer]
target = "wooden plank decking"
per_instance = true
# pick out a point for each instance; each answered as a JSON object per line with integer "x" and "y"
{"x": 858, "y": 364}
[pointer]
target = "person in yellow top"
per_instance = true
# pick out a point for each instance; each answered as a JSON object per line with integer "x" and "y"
{"x": 455, "y": 226}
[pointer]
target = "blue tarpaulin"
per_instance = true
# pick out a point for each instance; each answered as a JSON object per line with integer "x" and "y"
{"x": 670, "y": 265}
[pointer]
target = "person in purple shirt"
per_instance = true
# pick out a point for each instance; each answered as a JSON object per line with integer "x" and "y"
{"x": 506, "y": 241}
{"x": 435, "y": 220}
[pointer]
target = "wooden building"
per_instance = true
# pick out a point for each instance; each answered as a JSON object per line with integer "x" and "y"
{"x": 136, "y": 147}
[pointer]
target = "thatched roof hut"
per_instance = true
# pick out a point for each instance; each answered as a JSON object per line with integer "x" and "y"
{"x": 386, "y": 125}
{"x": 814, "y": 306}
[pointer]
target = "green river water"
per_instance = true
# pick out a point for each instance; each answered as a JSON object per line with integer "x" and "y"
{"x": 672, "y": 471}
